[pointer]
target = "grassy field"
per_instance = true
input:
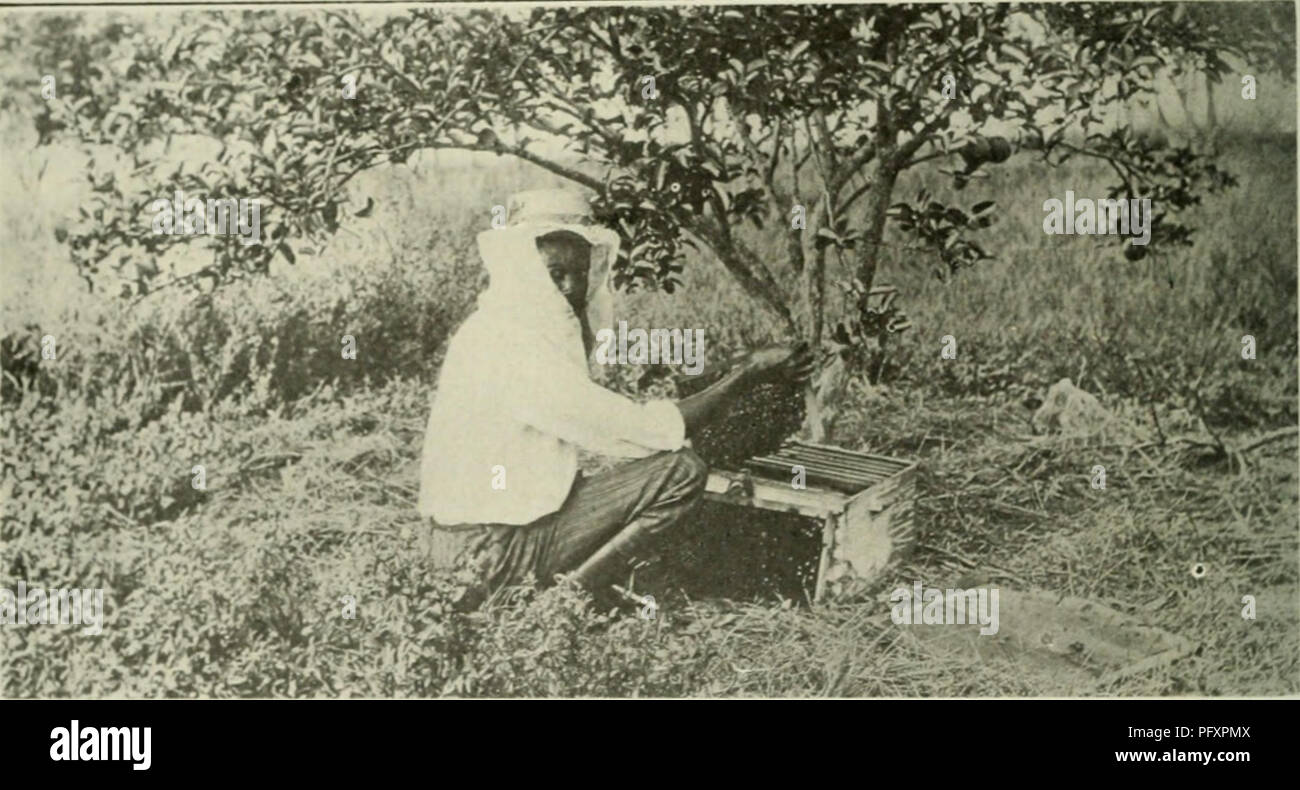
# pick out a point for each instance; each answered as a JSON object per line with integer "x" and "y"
{"x": 311, "y": 464}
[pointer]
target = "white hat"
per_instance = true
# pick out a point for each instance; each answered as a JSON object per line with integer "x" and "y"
{"x": 537, "y": 212}
{"x": 541, "y": 211}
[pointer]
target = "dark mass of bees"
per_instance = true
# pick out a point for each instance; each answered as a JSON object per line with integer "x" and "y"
{"x": 757, "y": 422}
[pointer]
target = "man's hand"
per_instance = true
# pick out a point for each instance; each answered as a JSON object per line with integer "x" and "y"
{"x": 792, "y": 362}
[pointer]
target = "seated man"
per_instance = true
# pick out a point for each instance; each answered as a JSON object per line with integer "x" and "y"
{"x": 499, "y": 474}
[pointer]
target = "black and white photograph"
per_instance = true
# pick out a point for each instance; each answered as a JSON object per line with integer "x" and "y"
{"x": 389, "y": 351}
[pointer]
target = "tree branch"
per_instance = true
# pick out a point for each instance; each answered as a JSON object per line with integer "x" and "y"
{"x": 824, "y": 136}
{"x": 731, "y": 258}
{"x": 856, "y": 194}
{"x": 907, "y": 149}
{"x": 770, "y": 175}
{"x": 768, "y": 162}
{"x": 523, "y": 153}
{"x": 853, "y": 165}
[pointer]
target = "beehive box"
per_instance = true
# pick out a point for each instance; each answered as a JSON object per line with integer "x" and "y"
{"x": 862, "y": 504}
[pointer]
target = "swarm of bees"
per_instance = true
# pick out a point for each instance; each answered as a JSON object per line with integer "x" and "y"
{"x": 756, "y": 423}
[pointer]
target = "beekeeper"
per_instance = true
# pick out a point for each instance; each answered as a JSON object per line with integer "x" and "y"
{"x": 499, "y": 478}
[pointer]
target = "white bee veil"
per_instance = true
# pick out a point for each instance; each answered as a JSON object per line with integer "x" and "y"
{"x": 520, "y": 286}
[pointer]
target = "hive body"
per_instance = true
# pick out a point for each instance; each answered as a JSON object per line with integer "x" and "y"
{"x": 760, "y": 536}
{"x": 862, "y": 502}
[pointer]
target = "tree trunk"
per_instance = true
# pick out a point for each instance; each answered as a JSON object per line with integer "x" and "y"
{"x": 814, "y": 295}
{"x": 882, "y": 190}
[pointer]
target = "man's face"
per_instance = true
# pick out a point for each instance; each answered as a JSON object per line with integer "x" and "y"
{"x": 568, "y": 260}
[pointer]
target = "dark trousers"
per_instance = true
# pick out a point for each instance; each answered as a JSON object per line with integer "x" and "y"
{"x": 609, "y": 522}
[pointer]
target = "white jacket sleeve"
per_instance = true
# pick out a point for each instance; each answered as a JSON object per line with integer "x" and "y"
{"x": 561, "y": 399}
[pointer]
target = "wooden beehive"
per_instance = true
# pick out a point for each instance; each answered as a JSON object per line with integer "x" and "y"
{"x": 863, "y": 503}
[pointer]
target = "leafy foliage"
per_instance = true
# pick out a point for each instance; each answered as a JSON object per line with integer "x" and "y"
{"x": 685, "y": 116}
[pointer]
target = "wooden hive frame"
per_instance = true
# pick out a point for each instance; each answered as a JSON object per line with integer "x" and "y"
{"x": 863, "y": 502}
